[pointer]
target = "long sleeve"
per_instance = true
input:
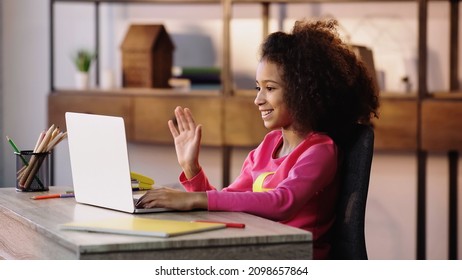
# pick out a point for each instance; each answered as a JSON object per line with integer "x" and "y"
{"x": 198, "y": 183}
{"x": 242, "y": 183}
{"x": 301, "y": 190}
{"x": 292, "y": 188}
{"x": 300, "y": 177}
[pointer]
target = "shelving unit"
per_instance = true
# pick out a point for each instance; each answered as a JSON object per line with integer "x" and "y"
{"x": 422, "y": 123}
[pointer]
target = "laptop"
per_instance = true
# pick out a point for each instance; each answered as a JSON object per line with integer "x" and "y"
{"x": 99, "y": 162}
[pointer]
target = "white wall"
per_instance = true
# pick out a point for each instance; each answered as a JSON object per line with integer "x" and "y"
{"x": 25, "y": 72}
{"x": 389, "y": 29}
{"x": 1, "y": 85}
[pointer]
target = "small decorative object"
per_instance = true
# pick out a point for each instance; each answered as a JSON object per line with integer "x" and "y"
{"x": 82, "y": 61}
{"x": 147, "y": 57}
{"x": 107, "y": 79}
{"x": 406, "y": 85}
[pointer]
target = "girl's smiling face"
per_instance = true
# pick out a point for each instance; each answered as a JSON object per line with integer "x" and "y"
{"x": 270, "y": 97}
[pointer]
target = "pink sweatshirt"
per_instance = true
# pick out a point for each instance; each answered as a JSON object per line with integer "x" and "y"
{"x": 302, "y": 191}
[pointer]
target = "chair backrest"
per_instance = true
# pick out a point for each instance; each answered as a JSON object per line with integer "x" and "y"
{"x": 348, "y": 232}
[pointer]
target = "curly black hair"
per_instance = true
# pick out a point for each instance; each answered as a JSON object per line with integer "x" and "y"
{"x": 327, "y": 88}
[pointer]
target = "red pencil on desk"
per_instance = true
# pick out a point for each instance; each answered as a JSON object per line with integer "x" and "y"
{"x": 230, "y": 225}
{"x": 55, "y": 195}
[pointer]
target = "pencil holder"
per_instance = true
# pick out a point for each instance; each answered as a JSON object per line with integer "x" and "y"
{"x": 33, "y": 171}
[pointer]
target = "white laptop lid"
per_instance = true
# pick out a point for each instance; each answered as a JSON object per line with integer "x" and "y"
{"x": 99, "y": 161}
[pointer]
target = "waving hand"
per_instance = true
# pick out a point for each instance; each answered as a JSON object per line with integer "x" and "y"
{"x": 187, "y": 138}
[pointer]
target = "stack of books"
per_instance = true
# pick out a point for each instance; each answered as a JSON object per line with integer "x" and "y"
{"x": 196, "y": 77}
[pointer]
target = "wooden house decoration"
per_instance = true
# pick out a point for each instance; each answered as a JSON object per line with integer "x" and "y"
{"x": 147, "y": 57}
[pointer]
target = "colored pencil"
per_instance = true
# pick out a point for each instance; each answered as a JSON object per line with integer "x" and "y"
{"x": 230, "y": 225}
{"x": 54, "y": 195}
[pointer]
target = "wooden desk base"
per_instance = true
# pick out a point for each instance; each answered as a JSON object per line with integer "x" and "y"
{"x": 20, "y": 241}
{"x": 30, "y": 230}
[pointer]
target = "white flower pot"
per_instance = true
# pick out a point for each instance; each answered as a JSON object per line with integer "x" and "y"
{"x": 82, "y": 80}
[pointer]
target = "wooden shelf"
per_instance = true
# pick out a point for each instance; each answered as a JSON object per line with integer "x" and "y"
{"x": 145, "y": 115}
{"x": 233, "y": 1}
{"x": 143, "y": 1}
{"x": 140, "y": 92}
{"x": 396, "y": 129}
{"x": 418, "y": 122}
{"x": 446, "y": 95}
{"x": 441, "y": 124}
{"x": 392, "y": 133}
{"x": 325, "y": 1}
{"x": 227, "y": 121}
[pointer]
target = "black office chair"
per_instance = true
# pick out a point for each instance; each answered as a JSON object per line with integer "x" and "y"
{"x": 348, "y": 232}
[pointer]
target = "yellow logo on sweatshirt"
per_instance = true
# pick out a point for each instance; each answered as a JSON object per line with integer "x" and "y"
{"x": 258, "y": 184}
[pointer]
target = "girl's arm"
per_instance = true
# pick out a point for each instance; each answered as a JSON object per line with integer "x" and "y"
{"x": 200, "y": 182}
{"x": 187, "y": 138}
{"x": 309, "y": 175}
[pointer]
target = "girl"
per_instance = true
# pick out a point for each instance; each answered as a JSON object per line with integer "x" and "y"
{"x": 311, "y": 90}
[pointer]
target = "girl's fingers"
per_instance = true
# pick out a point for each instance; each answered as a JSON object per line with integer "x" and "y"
{"x": 155, "y": 198}
{"x": 189, "y": 118}
{"x": 180, "y": 118}
{"x": 185, "y": 119}
{"x": 199, "y": 133}
{"x": 173, "y": 129}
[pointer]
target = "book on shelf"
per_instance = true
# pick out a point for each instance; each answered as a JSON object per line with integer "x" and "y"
{"x": 198, "y": 75}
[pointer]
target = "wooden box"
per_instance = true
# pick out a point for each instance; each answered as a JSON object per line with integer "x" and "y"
{"x": 441, "y": 125}
{"x": 147, "y": 57}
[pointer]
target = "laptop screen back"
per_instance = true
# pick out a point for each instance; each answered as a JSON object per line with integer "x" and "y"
{"x": 99, "y": 161}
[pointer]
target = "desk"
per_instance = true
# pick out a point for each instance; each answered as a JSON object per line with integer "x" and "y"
{"x": 29, "y": 230}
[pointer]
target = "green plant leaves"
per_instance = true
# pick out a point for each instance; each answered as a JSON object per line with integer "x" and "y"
{"x": 83, "y": 60}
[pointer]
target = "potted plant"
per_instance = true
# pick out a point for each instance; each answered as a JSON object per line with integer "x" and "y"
{"x": 82, "y": 61}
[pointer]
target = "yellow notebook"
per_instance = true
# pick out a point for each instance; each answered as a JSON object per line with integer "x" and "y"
{"x": 141, "y": 226}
